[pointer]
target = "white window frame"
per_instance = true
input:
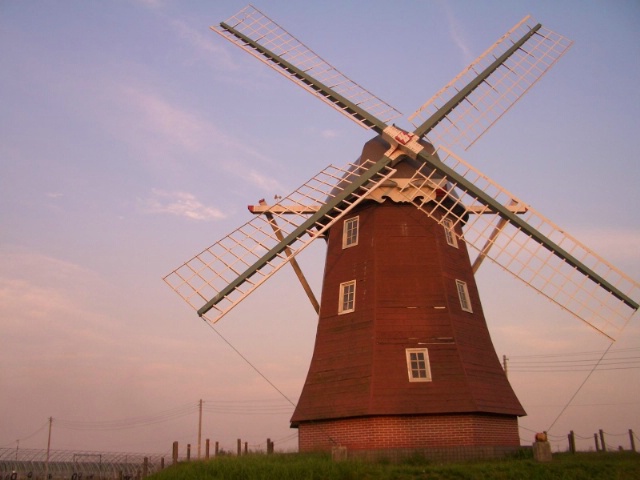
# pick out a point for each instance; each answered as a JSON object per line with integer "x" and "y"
{"x": 449, "y": 232}
{"x": 421, "y": 365}
{"x": 347, "y": 300}
{"x": 463, "y": 295}
{"x": 349, "y": 239}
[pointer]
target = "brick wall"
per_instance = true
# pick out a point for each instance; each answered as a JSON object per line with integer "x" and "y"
{"x": 410, "y": 432}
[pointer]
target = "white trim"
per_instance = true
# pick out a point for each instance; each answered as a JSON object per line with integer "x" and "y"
{"x": 449, "y": 232}
{"x": 418, "y": 365}
{"x": 347, "y": 299}
{"x": 349, "y": 239}
{"x": 463, "y": 295}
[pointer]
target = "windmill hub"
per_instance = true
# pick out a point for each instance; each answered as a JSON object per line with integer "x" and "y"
{"x": 403, "y": 187}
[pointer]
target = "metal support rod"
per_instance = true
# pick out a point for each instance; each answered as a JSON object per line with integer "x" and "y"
{"x": 489, "y": 243}
{"x": 292, "y": 261}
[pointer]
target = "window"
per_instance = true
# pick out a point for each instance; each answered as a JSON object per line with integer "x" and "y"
{"x": 350, "y": 232}
{"x": 463, "y": 295}
{"x": 449, "y": 232}
{"x": 347, "y": 297}
{"x": 418, "y": 365}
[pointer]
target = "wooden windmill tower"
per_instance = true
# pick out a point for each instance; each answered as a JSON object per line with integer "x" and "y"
{"x": 403, "y": 358}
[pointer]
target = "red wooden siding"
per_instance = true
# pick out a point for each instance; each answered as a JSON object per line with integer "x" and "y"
{"x": 403, "y": 268}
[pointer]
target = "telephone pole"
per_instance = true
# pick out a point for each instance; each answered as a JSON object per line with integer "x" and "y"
{"x": 46, "y": 465}
{"x": 199, "y": 429}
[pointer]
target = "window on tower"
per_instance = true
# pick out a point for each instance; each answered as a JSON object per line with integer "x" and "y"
{"x": 418, "y": 365}
{"x": 350, "y": 232}
{"x": 463, "y": 295}
{"x": 449, "y": 232}
{"x": 347, "y": 297}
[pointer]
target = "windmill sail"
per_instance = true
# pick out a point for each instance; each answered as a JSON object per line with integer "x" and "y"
{"x": 257, "y": 34}
{"x": 463, "y": 110}
{"x": 532, "y": 248}
{"x": 218, "y": 278}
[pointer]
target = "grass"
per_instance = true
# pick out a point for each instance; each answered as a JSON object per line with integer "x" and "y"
{"x": 582, "y": 466}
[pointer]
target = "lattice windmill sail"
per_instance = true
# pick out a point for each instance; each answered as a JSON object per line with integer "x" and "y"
{"x": 402, "y": 341}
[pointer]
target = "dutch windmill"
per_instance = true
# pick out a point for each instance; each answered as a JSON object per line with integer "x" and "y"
{"x": 402, "y": 343}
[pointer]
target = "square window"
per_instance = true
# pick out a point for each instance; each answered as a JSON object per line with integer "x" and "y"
{"x": 449, "y": 232}
{"x": 418, "y": 365}
{"x": 350, "y": 232}
{"x": 347, "y": 297}
{"x": 463, "y": 295}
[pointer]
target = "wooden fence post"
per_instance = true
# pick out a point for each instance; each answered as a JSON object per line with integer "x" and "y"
{"x": 188, "y": 452}
{"x": 602, "y": 444}
{"x": 206, "y": 449}
{"x": 572, "y": 442}
{"x": 145, "y": 467}
{"x": 632, "y": 441}
{"x": 217, "y": 449}
{"x": 246, "y": 448}
{"x": 161, "y": 463}
{"x": 595, "y": 438}
{"x": 174, "y": 454}
{"x": 239, "y": 449}
{"x": 269, "y": 446}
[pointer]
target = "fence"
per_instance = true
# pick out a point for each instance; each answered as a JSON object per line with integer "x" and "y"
{"x": 73, "y": 465}
{"x": 601, "y": 441}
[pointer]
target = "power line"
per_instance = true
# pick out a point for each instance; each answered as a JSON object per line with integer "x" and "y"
{"x": 42, "y": 427}
{"x": 623, "y": 359}
{"x": 573, "y": 354}
{"x": 128, "y": 423}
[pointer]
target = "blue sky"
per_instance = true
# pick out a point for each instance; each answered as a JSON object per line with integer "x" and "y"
{"x": 131, "y": 137}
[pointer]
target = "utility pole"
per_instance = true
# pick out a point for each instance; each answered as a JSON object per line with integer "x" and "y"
{"x": 504, "y": 365}
{"x": 46, "y": 465}
{"x": 200, "y": 429}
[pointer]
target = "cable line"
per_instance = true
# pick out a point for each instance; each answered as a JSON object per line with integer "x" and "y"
{"x": 579, "y": 388}
{"x": 251, "y": 364}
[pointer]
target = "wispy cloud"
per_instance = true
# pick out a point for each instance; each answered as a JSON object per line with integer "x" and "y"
{"x": 166, "y": 130}
{"x": 204, "y": 41}
{"x": 457, "y": 33}
{"x": 182, "y": 204}
{"x": 170, "y": 123}
{"x": 329, "y": 133}
{"x": 151, "y": 3}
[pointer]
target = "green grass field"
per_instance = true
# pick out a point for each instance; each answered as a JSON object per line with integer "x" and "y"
{"x": 582, "y": 466}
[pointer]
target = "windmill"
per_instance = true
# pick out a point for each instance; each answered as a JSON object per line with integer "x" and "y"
{"x": 403, "y": 359}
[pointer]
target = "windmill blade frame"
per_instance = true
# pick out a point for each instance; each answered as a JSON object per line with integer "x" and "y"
{"x": 475, "y": 99}
{"x": 224, "y": 274}
{"x": 529, "y": 246}
{"x": 260, "y": 36}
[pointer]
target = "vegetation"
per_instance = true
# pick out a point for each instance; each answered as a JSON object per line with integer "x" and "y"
{"x": 581, "y": 466}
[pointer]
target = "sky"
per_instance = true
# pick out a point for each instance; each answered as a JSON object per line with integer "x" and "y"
{"x": 132, "y": 137}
